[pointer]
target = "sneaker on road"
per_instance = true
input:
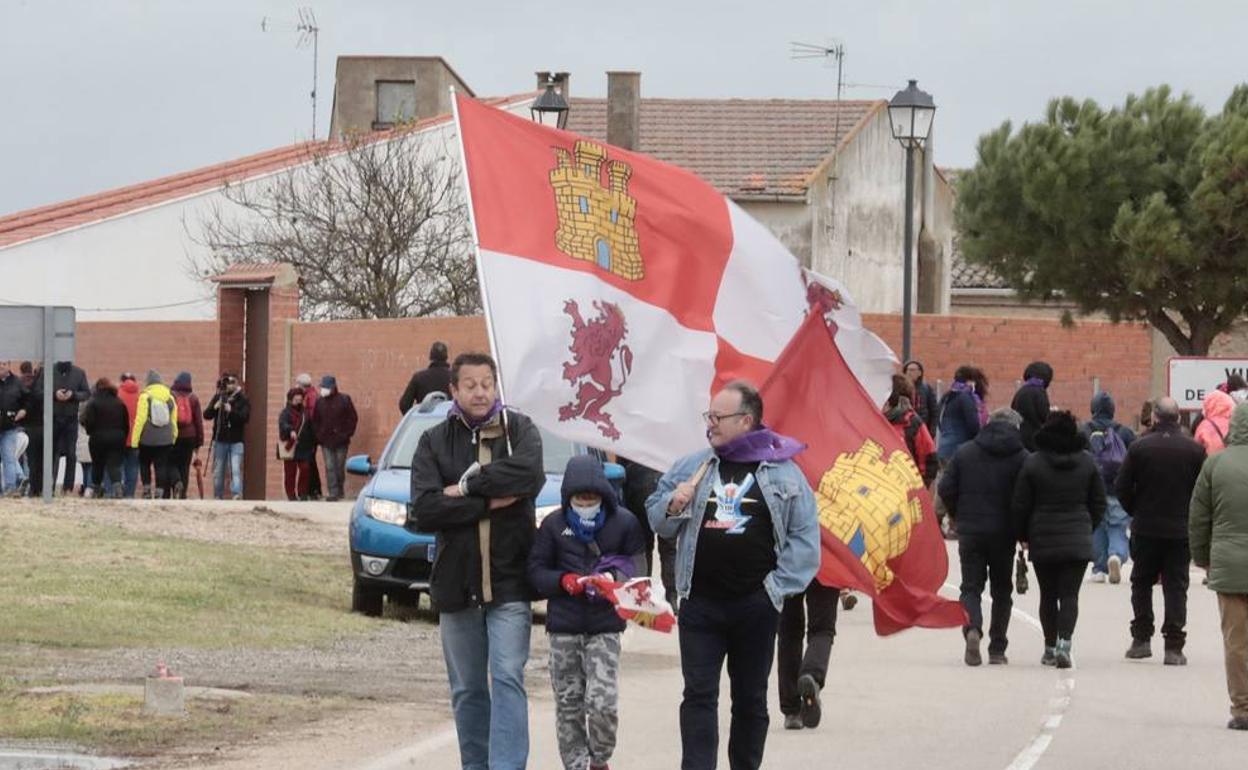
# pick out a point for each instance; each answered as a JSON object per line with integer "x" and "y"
{"x": 1140, "y": 648}
{"x": 1175, "y": 658}
{"x": 972, "y": 657}
{"x": 792, "y": 722}
{"x": 1238, "y": 723}
{"x": 812, "y": 709}
{"x": 1050, "y": 657}
{"x": 1099, "y": 577}
{"x": 1115, "y": 570}
{"x": 997, "y": 659}
{"x": 1062, "y": 654}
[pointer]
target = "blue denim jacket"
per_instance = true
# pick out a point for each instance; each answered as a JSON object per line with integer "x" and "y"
{"x": 793, "y": 516}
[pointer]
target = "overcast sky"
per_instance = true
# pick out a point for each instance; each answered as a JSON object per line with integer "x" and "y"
{"x": 96, "y": 94}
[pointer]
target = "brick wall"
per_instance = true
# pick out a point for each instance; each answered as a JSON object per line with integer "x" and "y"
{"x": 373, "y": 360}
{"x": 1119, "y": 355}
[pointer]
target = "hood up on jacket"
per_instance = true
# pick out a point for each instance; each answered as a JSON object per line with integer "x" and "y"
{"x": 585, "y": 473}
{"x": 1060, "y": 440}
{"x": 1103, "y": 409}
{"x": 1218, "y": 406}
{"x": 182, "y": 383}
{"x": 999, "y": 438}
{"x": 1238, "y": 435}
{"x": 1039, "y": 370}
{"x": 128, "y": 386}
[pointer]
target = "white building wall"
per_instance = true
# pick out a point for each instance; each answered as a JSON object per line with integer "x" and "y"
{"x": 789, "y": 221}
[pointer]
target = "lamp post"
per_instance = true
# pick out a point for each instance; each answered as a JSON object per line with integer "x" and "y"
{"x": 910, "y": 112}
{"x": 550, "y": 109}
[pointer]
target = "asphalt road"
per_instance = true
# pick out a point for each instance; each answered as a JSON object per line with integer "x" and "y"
{"x": 909, "y": 701}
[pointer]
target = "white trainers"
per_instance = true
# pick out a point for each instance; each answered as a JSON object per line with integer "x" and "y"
{"x": 1115, "y": 570}
{"x": 1099, "y": 577}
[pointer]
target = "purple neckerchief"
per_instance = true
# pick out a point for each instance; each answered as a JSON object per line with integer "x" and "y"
{"x": 1036, "y": 382}
{"x": 623, "y": 566}
{"x": 762, "y": 445}
{"x": 495, "y": 411}
{"x": 981, "y": 409}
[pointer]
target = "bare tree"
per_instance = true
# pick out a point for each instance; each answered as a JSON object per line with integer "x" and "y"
{"x": 375, "y": 227}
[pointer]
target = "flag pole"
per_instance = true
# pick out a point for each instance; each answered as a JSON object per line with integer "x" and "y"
{"x": 476, "y": 246}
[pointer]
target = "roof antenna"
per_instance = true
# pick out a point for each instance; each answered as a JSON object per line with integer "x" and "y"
{"x": 828, "y": 53}
{"x": 308, "y": 32}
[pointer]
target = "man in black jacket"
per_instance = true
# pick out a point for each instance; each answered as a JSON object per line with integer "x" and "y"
{"x": 1155, "y": 486}
{"x": 977, "y": 489}
{"x": 71, "y": 389}
{"x": 229, "y": 411}
{"x": 1032, "y": 400}
{"x": 474, "y": 480}
{"x": 435, "y": 379}
{"x": 12, "y": 413}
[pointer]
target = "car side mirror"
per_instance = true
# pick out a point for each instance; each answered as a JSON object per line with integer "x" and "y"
{"x": 360, "y": 465}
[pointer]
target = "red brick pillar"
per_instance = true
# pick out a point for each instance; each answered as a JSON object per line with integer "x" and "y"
{"x": 283, "y": 313}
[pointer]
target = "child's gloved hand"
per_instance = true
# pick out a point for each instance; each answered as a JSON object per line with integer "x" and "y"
{"x": 599, "y": 586}
{"x": 571, "y": 584}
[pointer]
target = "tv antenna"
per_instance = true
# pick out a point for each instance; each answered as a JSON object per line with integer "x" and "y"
{"x": 834, "y": 52}
{"x": 309, "y": 32}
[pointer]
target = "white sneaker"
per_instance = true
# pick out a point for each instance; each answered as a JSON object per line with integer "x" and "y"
{"x": 1099, "y": 577}
{"x": 1115, "y": 570}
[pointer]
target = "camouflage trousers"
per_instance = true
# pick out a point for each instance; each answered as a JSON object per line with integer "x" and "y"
{"x": 585, "y": 672}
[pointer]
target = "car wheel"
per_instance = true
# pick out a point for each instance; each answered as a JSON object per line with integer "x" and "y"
{"x": 366, "y": 599}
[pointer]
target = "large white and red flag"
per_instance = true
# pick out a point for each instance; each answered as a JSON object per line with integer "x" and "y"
{"x": 620, "y": 290}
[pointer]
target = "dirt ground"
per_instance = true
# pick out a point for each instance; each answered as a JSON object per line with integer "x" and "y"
{"x": 392, "y": 679}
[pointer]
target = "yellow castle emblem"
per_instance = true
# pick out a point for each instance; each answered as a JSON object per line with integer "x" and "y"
{"x": 596, "y": 219}
{"x": 865, "y": 501}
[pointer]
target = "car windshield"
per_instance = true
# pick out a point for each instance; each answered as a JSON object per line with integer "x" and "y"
{"x": 555, "y": 451}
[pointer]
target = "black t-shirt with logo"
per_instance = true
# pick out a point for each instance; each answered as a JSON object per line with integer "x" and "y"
{"x": 737, "y": 544}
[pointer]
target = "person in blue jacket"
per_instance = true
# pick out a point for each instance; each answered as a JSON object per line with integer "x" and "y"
{"x": 591, "y": 540}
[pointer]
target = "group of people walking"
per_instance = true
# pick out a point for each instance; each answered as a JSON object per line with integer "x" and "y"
{"x": 1030, "y": 477}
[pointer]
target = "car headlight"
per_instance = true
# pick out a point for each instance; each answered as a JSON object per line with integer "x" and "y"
{"x": 385, "y": 510}
{"x": 545, "y": 510}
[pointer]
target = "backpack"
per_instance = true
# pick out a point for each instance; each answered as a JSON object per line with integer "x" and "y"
{"x": 1109, "y": 451}
{"x": 158, "y": 413}
{"x": 183, "y": 402}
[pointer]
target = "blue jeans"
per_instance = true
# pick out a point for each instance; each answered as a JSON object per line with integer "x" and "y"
{"x": 485, "y": 650}
{"x": 9, "y": 468}
{"x": 222, "y": 453}
{"x": 1110, "y": 537}
{"x": 129, "y": 473}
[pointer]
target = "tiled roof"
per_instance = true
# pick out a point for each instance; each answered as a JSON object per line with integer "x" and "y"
{"x": 45, "y": 220}
{"x": 744, "y": 147}
{"x": 964, "y": 275}
{"x": 255, "y": 273}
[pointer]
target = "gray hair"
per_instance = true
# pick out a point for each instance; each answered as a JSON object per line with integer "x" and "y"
{"x": 751, "y": 401}
{"x": 1008, "y": 416}
{"x": 1166, "y": 410}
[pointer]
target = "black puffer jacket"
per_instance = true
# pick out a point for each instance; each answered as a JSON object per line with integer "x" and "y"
{"x": 12, "y": 401}
{"x": 618, "y": 549}
{"x": 106, "y": 419}
{"x": 445, "y": 452}
{"x": 1156, "y": 481}
{"x": 1032, "y": 402}
{"x": 977, "y": 487}
{"x": 66, "y": 376}
{"x": 1059, "y": 498}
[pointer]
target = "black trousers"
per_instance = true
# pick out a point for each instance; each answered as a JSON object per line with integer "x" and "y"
{"x": 1169, "y": 559}
{"x": 639, "y": 484}
{"x": 810, "y": 617}
{"x": 743, "y": 631}
{"x": 105, "y": 457}
{"x": 1059, "y": 597}
{"x": 156, "y": 458}
{"x": 180, "y": 462}
{"x": 34, "y": 459}
{"x": 65, "y": 444}
{"x": 988, "y": 559}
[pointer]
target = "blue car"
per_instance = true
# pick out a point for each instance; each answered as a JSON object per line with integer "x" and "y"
{"x": 389, "y": 557}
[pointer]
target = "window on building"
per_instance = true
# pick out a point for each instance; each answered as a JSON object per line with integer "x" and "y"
{"x": 396, "y": 102}
{"x": 584, "y": 204}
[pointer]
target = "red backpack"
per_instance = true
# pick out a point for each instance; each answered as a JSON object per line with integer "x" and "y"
{"x": 185, "y": 416}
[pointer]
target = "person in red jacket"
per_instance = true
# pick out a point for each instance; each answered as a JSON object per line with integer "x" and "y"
{"x": 304, "y": 383}
{"x": 910, "y": 428}
{"x": 128, "y": 392}
{"x": 334, "y": 420}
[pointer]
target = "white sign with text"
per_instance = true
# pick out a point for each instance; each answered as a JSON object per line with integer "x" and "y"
{"x": 1191, "y": 379}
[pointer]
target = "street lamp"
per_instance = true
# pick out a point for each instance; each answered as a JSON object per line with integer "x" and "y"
{"x": 550, "y": 109}
{"x": 910, "y": 112}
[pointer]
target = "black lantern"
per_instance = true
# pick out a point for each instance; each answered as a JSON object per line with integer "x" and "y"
{"x": 911, "y": 112}
{"x": 550, "y": 109}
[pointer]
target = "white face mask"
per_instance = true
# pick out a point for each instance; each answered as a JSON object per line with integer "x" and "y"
{"x": 587, "y": 512}
{"x": 325, "y": 392}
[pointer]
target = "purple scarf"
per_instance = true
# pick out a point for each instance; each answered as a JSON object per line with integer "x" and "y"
{"x": 762, "y": 445}
{"x": 495, "y": 411}
{"x": 981, "y": 409}
{"x": 1035, "y": 382}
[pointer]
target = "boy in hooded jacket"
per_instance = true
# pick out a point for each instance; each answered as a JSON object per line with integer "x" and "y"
{"x": 591, "y": 538}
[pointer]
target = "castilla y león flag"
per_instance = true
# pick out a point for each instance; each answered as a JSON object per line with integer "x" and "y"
{"x": 879, "y": 532}
{"x": 621, "y": 289}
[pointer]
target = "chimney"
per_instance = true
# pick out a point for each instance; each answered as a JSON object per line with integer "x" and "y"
{"x": 560, "y": 80}
{"x": 624, "y": 109}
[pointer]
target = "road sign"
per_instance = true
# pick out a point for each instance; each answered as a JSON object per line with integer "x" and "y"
{"x": 1191, "y": 378}
{"x": 23, "y": 333}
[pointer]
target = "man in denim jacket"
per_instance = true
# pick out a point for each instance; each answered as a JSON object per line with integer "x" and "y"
{"x": 747, "y": 537}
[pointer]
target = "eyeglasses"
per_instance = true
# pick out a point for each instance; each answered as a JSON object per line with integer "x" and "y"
{"x": 714, "y": 419}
